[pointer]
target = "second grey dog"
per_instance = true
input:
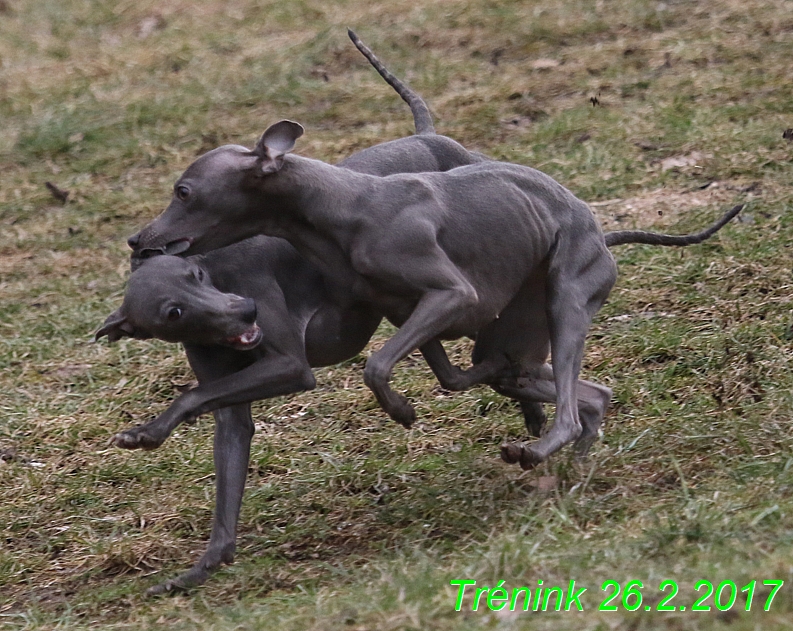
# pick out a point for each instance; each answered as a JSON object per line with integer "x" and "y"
{"x": 241, "y": 349}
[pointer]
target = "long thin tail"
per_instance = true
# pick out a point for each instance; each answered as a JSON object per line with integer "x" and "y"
{"x": 421, "y": 113}
{"x": 620, "y": 237}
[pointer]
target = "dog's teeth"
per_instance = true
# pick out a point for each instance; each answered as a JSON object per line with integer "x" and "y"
{"x": 248, "y": 337}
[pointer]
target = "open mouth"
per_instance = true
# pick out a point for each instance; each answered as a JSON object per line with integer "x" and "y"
{"x": 177, "y": 247}
{"x": 248, "y": 340}
{"x": 172, "y": 248}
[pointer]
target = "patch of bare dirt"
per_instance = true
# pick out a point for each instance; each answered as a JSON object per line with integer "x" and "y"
{"x": 9, "y": 261}
{"x": 663, "y": 207}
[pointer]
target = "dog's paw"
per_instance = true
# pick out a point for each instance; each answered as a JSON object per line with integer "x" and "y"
{"x": 167, "y": 587}
{"x": 197, "y": 575}
{"x": 457, "y": 380}
{"x": 136, "y": 438}
{"x": 529, "y": 459}
{"x": 402, "y": 412}
{"x": 175, "y": 586}
{"x": 510, "y": 452}
{"x": 519, "y": 453}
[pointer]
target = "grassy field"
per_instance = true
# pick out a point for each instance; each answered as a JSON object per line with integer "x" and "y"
{"x": 660, "y": 114}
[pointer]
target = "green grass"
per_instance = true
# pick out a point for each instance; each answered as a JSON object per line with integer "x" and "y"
{"x": 351, "y": 522}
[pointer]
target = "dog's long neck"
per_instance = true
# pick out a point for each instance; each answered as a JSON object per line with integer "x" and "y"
{"x": 319, "y": 218}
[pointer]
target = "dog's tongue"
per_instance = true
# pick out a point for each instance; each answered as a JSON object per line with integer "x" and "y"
{"x": 177, "y": 247}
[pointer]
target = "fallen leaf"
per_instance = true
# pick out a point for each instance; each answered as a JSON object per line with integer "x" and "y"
{"x": 71, "y": 370}
{"x": 545, "y": 483}
{"x": 677, "y": 162}
{"x": 544, "y": 64}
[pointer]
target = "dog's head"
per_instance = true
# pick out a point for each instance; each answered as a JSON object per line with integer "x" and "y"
{"x": 173, "y": 299}
{"x": 218, "y": 201}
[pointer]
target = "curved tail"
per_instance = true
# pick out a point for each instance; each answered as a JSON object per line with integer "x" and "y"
{"x": 620, "y": 237}
{"x": 421, "y": 113}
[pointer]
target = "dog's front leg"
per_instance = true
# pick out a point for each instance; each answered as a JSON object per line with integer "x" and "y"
{"x": 154, "y": 433}
{"x": 233, "y": 432}
{"x": 268, "y": 377}
{"x": 434, "y": 313}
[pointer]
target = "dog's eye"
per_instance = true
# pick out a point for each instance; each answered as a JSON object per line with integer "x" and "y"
{"x": 174, "y": 313}
{"x": 200, "y": 275}
{"x": 182, "y": 192}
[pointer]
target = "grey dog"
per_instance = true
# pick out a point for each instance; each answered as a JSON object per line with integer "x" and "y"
{"x": 241, "y": 349}
{"x": 494, "y": 251}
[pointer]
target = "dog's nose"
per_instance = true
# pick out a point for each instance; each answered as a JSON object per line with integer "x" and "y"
{"x": 133, "y": 241}
{"x": 249, "y": 311}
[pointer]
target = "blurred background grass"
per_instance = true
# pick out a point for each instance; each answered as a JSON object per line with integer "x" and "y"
{"x": 658, "y": 113}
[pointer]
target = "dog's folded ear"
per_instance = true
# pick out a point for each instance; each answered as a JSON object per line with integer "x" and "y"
{"x": 115, "y": 327}
{"x": 275, "y": 143}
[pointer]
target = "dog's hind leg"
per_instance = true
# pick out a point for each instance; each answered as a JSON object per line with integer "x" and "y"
{"x": 580, "y": 276}
{"x": 456, "y": 379}
{"x": 534, "y": 417}
{"x": 488, "y": 371}
{"x": 539, "y": 387}
{"x": 233, "y": 432}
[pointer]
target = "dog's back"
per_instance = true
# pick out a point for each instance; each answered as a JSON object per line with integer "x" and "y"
{"x": 413, "y": 154}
